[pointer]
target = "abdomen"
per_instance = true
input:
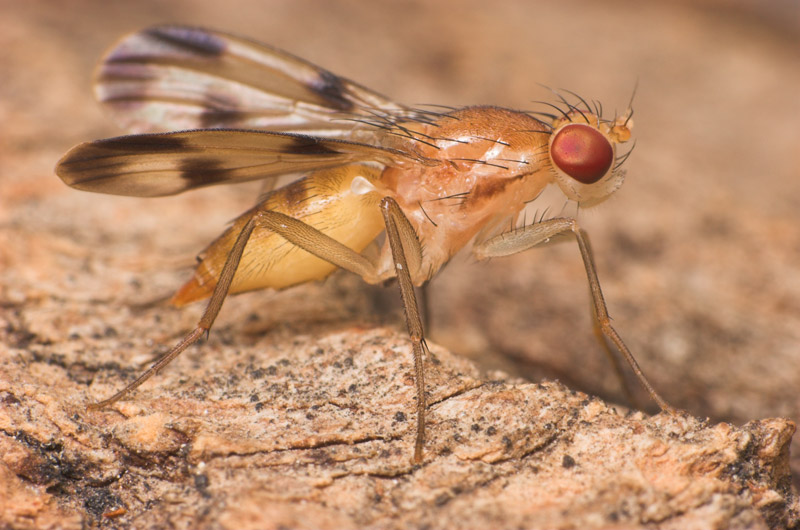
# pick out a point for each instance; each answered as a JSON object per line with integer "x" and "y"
{"x": 324, "y": 200}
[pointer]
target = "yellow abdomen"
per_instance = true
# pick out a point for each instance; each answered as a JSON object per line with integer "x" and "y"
{"x": 325, "y": 200}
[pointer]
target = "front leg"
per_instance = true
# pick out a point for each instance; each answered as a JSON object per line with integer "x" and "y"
{"x": 544, "y": 232}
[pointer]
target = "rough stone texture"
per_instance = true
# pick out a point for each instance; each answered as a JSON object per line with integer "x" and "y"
{"x": 314, "y": 431}
{"x": 297, "y": 412}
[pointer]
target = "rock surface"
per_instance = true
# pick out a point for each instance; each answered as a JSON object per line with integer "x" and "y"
{"x": 316, "y": 431}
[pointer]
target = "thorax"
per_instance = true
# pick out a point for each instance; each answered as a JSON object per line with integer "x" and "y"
{"x": 484, "y": 164}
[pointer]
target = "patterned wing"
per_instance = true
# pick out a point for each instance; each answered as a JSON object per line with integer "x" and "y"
{"x": 170, "y": 78}
{"x": 154, "y": 165}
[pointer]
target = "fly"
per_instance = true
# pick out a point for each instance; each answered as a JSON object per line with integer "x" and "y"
{"x": 433, "y": 180}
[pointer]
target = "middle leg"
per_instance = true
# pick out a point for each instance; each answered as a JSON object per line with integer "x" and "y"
{"x": 407, "y": 258}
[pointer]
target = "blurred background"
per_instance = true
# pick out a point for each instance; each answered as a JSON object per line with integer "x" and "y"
{"x": 698, "y": 253}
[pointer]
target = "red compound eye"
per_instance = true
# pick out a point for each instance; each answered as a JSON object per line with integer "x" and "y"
{"x": 582, "y": 152}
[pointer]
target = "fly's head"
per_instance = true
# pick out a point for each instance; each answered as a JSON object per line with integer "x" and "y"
{"x": 583, "y": 152}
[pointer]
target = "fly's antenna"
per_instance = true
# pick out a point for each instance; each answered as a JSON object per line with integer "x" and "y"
{"x": 630, "y": 103}
{"x": 628, "y": 118}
